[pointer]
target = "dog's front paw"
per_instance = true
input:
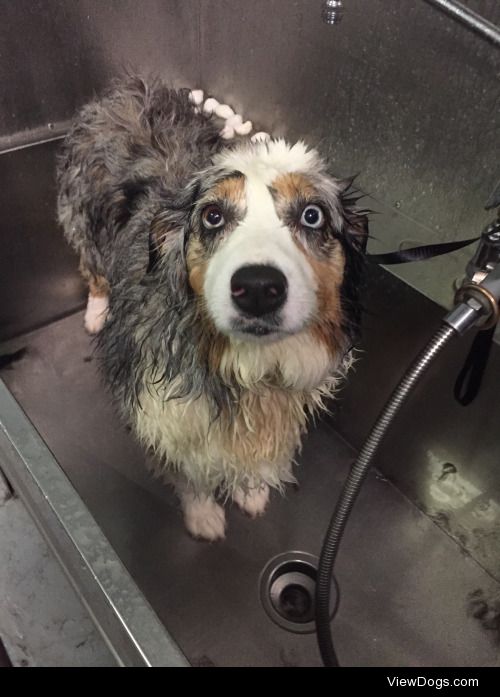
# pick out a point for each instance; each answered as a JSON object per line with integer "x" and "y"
{"x": 204, "y": 518}
{"x": 253, "y": 501}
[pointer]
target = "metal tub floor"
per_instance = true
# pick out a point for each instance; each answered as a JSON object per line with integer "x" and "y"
{"x": 404, "y": 583}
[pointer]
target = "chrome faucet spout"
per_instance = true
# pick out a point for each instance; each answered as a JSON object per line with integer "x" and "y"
{"x": 333, "y": 11}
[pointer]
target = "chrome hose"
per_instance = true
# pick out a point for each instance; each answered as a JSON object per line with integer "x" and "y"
{"x": 354, "y": 482}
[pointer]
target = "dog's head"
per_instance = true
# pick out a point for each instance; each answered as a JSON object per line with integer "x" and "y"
{"x": 273, "y": 245}
{"x": 273, "y": 257}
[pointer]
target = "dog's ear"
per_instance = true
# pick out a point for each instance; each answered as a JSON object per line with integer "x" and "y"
{"x": 357, "y": 229}
{"x": 349, "y": 221}
{"x": 173, "y": 221}
{"x": 355, "y": 219}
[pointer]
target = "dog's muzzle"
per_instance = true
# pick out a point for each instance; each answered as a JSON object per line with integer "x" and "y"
{"x": 258, "y": 290}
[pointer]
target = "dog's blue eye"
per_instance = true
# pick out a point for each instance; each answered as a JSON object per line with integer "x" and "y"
{"x": 312, "y": 216}
{"x": 212, "y": 217}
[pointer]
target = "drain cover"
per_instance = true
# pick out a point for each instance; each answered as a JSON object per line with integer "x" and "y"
{"x": 287, "y": 590}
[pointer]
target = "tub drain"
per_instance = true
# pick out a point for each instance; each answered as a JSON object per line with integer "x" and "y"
{"x": 287, "y": 590}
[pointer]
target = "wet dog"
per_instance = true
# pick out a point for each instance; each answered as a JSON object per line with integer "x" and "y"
{"x": 223, "y": 281}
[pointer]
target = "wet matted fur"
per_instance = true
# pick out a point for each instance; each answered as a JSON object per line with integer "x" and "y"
{"x": 221, "y": 395}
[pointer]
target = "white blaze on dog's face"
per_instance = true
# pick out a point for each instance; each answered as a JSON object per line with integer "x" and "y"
{"x": 258, "y": 283}
{"x": 264, "y": 249}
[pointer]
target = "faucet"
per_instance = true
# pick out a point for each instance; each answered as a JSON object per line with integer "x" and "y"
{"x": 333, "y": 11}
{"x": 477, "y": 299}
{"x": 487, "y": 255}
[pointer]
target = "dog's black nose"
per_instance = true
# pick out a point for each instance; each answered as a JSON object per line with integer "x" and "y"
{"x": 258, "y": 290}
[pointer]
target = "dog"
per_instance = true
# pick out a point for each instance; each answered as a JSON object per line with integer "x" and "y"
{"x": 224, "y": 280}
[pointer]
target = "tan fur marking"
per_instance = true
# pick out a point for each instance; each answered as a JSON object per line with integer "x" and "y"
{"x": 98, "y": 285}
{"x": 230, "y": 189}
{"x": 196, "y": 265}
{"x": 213, "y": 344}
{"x": 292, "y": 185}
{"x": 197, "y": 278}
{"x": 329, "y": 275}
{"x": 216, "y": 351}
{"x": 267, "y": 427}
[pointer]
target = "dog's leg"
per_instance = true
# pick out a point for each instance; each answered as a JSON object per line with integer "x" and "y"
{"x": 97, "y": 303}
{"x": 203, "y": 516}
{"x": 253, "y": 499}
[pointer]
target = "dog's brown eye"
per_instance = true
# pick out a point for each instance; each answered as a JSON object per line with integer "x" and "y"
{"x": 212, "y": 217}
{"x": 312, "y": 216}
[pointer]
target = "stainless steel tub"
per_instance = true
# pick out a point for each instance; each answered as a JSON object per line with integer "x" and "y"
{"x": 405, "y": 584}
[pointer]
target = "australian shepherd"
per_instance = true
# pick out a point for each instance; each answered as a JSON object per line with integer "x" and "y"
{"x": 223, "y": 284}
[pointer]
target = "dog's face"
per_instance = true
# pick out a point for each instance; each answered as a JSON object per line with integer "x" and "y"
{"x": 266, "y": 245}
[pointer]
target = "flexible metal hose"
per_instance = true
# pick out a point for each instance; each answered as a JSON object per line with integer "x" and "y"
{"x": 354, "y": 482}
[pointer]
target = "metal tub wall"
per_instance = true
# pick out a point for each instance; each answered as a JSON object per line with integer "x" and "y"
{"x": 398, "y": 92}
{"x": 56, "y": 54}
